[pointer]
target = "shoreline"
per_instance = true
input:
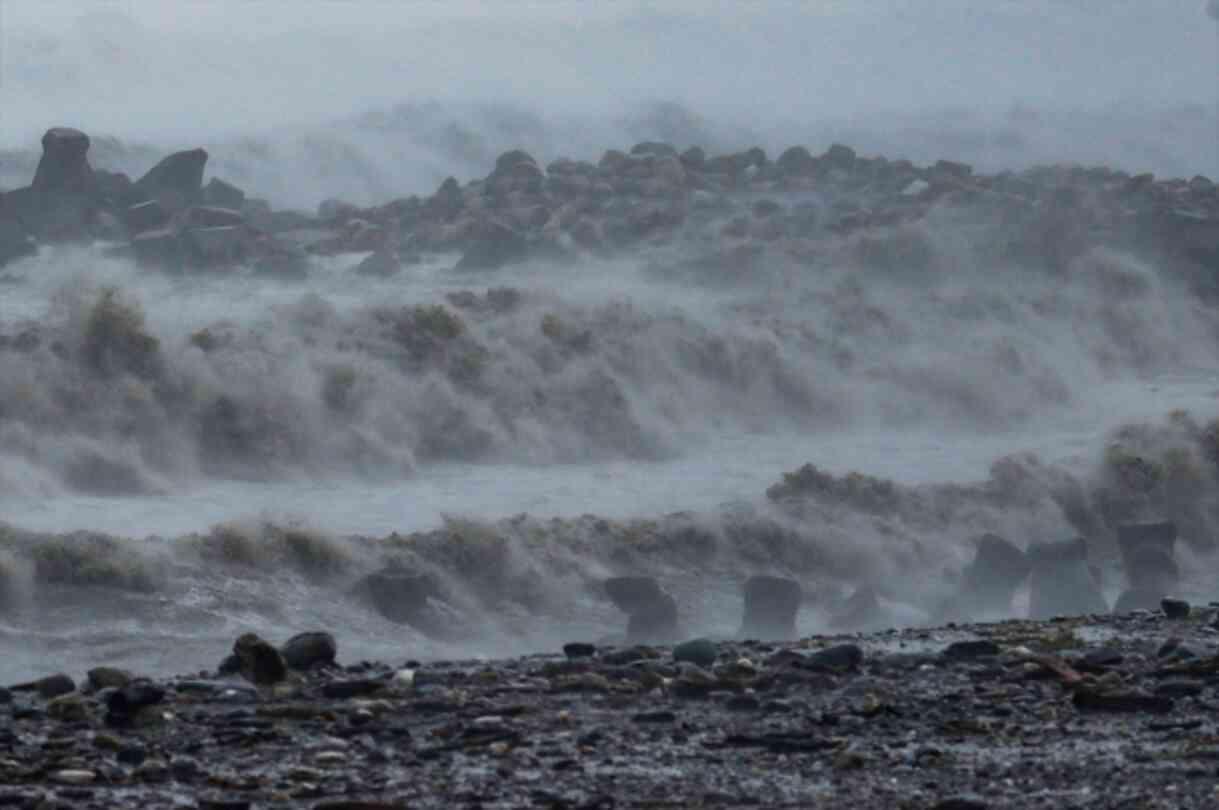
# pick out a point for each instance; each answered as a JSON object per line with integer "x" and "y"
{"x": 1099, "y": 711}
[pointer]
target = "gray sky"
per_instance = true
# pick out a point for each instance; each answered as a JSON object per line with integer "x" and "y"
{"x": 158, "y": 68}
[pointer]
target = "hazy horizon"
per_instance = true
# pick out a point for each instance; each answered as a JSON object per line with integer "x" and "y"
{"x": 204, "y": 72}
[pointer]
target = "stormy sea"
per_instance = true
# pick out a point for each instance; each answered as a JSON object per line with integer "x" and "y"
{"x": 493, "y": 305}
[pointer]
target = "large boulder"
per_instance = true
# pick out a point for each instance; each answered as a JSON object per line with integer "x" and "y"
{"x": 652, "y": 613}
{"x": 1061, "y": 582}
{"x": 308, "y": 650}
{"x": 65, "y": 164}
{"x": 771, "y": 605}
{"x": 177, "y": 180}
{"x": 796, "y": 160}
{"x": 258, "y": 661}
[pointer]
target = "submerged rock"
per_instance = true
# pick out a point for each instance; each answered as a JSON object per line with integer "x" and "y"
{"x": 771, "y": 605}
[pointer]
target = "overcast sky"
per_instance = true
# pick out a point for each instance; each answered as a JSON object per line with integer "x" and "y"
{"x": 152, "y": 68}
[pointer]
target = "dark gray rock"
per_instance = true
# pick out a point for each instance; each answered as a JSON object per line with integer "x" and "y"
{"x": 796, "y": 160}
{"x": 108, "y": 678}
{"x": 177, "y": 180}
{"x": 1175, "y": 608}
{"x": 129, "y": 699}
{"x": 694, "y": 158}
{"x": 701, "y": 652}
{"x": 839, "y": 658}
{"x": 839, "y": 156}
{"x": 1061, "y": 583}
{"x": 308, "y": 650}
{"x": 52, "y": 686}
{"x": 771, "y": 605}
{"x": 65, "y": 164}
{"x": 974, "y": 648}
{"x": 261, "y": 663}
{"x": 579, "y": 649}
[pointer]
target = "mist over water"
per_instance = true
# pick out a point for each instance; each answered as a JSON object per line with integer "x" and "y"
{"x": 153, "y": 407}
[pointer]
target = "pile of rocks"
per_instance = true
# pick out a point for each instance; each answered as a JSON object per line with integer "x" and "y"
{"x": 651, "y": 195}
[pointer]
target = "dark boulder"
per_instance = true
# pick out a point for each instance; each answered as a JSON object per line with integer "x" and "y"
{"x": 840, "y": 157}
{"x": 512, "y": 159}
{"x": 177, "y": 180}
{"x": 260, "y": 663}
{"x": 1061, "y": 582}
{"x": 771, "y": 605}
{"x": 493, "y": 244}
{"x": 796, "y": 161}
{"x": 52, "y": 686}
{"x": 694, "y": 158}
{"x": 65, "y": 164}
{"x": 652, "y": 613}
{"x": 308, "y": 650}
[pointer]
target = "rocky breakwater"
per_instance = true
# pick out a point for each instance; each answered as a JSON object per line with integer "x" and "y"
{"x": 1106, "y": 711}
{"x": 722, "y": 215}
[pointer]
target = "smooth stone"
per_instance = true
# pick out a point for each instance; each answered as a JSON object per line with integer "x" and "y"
{"x": 307, "y": 650}
{"x": 578, "y": 649}
{"x": 701, "y": 652}
{"x": 1175, "y": 608}
{"x": 839, "y": 657}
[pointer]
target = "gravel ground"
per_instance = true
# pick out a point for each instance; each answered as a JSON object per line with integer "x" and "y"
{"x": 1101, "y": 711}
